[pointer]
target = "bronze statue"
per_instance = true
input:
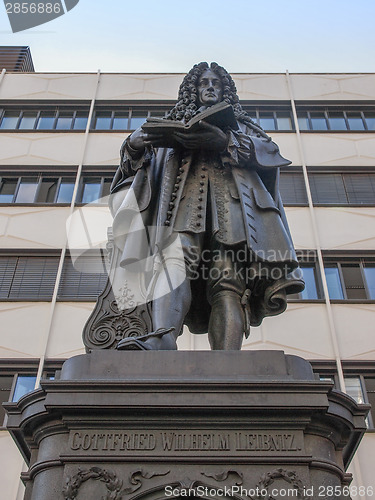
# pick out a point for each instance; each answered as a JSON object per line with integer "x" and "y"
{"x": 214, "y": 189}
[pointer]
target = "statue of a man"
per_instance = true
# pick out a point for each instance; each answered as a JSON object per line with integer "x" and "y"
{"x": 216, "y": 191}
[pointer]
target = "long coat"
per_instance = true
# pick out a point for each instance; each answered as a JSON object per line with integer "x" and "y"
{"x": 160, "y": 182}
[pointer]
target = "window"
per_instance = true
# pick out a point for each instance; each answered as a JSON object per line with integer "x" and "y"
{"x": 84, "y": 279}
{"x": 350, "y": 278}
{"x": 59, "y": 118}
{"x": 328, "y": 119}
{"x": 359, "y": 382}
{"x": 40, "y": 189}
{"x": 94, "y": 189}
{"x": 312, "y": 289}
{"x": 16, "y": 382}
{"x": 124, "y": 118}
{"x": 270, "y": 119}
{"x": 292, "y": 188}
{"x": 29, "y": 278}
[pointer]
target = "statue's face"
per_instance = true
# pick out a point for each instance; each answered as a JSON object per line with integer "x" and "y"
{"x": 210, "y": 88}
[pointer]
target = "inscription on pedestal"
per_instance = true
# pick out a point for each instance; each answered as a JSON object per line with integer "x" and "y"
{"x": 175, "y": 442}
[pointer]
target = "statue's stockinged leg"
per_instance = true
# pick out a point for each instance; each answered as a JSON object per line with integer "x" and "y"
{"x": 227, "y": 321}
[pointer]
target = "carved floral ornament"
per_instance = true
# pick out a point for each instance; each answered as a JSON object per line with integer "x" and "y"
{"x": 115, "y": 489}
{"x": 114, "y": 485}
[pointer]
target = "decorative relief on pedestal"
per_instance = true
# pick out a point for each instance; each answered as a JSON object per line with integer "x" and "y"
{"x": 115, "y": 318}
{"x": 267, "y": 484}
{"x": 223, "y": 476}
{"x": 111, "y": 481}
{"x": 114, "y": 485}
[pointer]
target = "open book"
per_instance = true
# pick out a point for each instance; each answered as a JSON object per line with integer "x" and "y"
{"x": 221, "y": 115}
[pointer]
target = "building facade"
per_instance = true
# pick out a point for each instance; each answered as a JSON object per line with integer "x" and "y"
{"x": 60, "y": 136}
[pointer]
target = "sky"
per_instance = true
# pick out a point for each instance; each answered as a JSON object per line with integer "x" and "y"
{"x": 262, "y": 36}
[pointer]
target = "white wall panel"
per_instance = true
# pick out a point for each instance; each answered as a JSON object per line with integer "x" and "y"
{"x": 355, "y": 330}
{"x": 104, "y": 148}
{"x": 48, "y": 86}
{"x": 41, "y": 149}
{"x": 22, "y": 328}
{"x": 345, "y": 149}
{"x": 300, "y": 226}
{"x": 32, "y": 227}
{"x": 322, "y": 87}
{"x": 346, "y": 228}
{"x": 66, "y": 332}
{"x": 302, "y": 330}
{"x": 10, "y": 467}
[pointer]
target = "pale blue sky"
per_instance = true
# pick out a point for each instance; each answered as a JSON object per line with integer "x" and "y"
{"x": 170, "y": 36}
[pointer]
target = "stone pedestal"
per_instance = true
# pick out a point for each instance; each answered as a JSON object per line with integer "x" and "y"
{"x": 132, "y": 424}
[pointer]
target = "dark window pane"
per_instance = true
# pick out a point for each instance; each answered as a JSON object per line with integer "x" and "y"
{"x": 106, "y": 187}
{"x": 10, "y": 120}
{"x": 24, "y": 385}
{"x": 310, "y": 291}
{"x": 337, "y": 121}
{"x": 47, "y": 191}
{"x": 7, "y": 189}
{"x": 28, "y": 120}
{"x": 34, "y": 278}
{"x": 355, "y": 121}
{"x": 120, "y": 121}
{"x": 7, "y": 269}
{"x": 354, "y": 388}
{"x": 327, "y": 188}
{"x": 303, "y": 121}
{"x": 91, "y": 190}
{"x": 318, "y": 121}
{"x": 6, "y": 383}
{"x": 80, "y": 121}
{"x": 64, "y": 121}
{"x": 46, "y": 120}
{"x": 65, "y": 192}
{"x": 284, "y": 120}
{"x": 102, "y": 120}
{"x": 360, "y": 188}
{"x": 292, "y": 188}
{"x": 355, "y": 288}
{"x": 26, "y": 191}
{"x": 334, "y": 283}
{"x": 266, "y": 121}
{"x": 370, "y": 389}
{"x": 86, "y": 278}
{"x": 370, "y": 120}
{"x": 137, "y": 119}
{"x": 369, "y": 272}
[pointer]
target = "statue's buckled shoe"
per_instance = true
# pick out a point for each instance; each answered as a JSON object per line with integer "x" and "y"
{"x": 140, "y": 343}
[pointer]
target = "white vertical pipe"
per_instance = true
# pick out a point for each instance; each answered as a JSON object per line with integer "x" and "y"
{"x": 332, "y": 328}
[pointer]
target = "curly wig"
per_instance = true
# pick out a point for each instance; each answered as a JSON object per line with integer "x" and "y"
{"x": 188, "y": 104}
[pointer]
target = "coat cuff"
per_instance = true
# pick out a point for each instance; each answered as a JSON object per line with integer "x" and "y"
{"x": 239, "y": 149}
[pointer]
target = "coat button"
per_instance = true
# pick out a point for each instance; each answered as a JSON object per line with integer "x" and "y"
{"x": 167, "y": 222}
{"x": 201, "y": 183}
{"x": 198, "y": 224}
{"x": 178, "y": 178}
{"x": 169, "y": 213}
{"x": 201, "y": 190}
{"x": 199, "y": 215}
{"x": 200, "y": 207}
{"x": 203, "y": 176}
{"x": 171, "y": 204}
{"x": 200, "y": 198}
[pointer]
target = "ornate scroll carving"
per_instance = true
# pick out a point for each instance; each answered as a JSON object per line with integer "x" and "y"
{"x": 290, "y": 477}
{"x": 114, "y": 485}
{"x": 223, "y": 476}
{"x": 115, "y": 317}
